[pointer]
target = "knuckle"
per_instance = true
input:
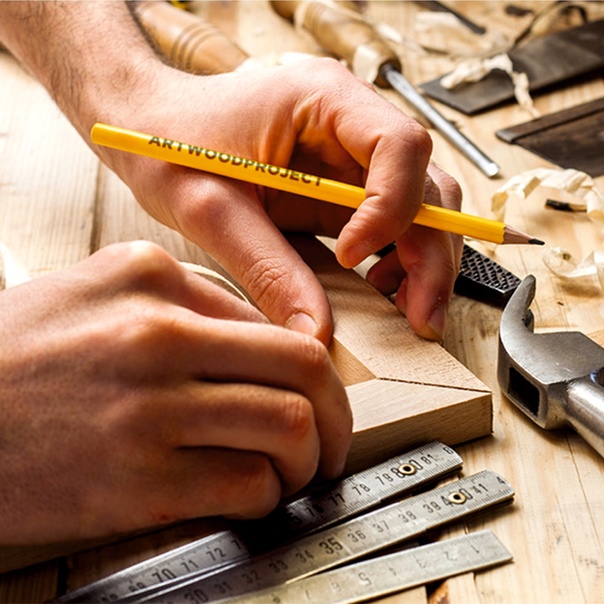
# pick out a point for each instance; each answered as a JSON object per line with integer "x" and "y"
{"x": 143, "y": 334}
{"x": 442, "y": 189}
{"x": 141, "y": 263}
{"x": 258, "y": 488}
{"x": 320, "y": 74}
{"x": 417, "y": 138}
{"x": 147, "y": 260}
{"x": 451, "y": 192}
{"x": 315, "y": 357}
{"x": 297, "y": 418}
{"x": 155, "y": 326}
{"x": 205, "y": 207}
{"x": 327, "y": 68}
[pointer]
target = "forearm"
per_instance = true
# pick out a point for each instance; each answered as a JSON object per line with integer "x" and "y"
{"x": 87, "y": 54}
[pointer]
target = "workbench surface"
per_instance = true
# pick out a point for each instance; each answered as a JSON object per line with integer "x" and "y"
{"x": 555, "y": 527}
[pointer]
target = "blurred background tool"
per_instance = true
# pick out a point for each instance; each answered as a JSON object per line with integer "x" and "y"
{"x": 348, "y": 36}
{"x": 187, "y": 41}
{"x": 441, "y": 7}
{"x": 569, "y": 138}
{"x": 551, "y": 61}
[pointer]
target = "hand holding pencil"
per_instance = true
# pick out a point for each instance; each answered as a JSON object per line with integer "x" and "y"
{"x": 292, "y": 181}
{"x": 316, "y": 119}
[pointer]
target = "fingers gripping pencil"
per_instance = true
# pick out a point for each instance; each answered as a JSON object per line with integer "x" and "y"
{"x": 292, "y": 181}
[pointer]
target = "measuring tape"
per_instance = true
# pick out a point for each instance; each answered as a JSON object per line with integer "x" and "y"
{"x": 339, "y": 501}
{"x": 390, "y": 573}
{"x": 334, "y": 546}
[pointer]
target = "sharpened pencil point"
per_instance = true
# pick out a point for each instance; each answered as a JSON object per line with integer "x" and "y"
{"x": 514, "y": 235}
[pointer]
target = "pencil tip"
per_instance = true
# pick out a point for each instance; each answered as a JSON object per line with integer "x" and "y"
{"x": 514, "y": 235}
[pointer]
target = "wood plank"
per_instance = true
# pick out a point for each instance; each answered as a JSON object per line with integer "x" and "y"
{"x": 34, "y": 584}
{"x": 48, "y": 178}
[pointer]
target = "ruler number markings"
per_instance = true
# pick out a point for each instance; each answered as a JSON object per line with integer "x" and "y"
{"x": 346, "y": 497}
{"x": 342, "y": 543}
{"x": 390, "y": 573}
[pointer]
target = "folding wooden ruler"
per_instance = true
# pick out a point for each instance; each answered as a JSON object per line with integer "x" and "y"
{"x": 319, "y": 531}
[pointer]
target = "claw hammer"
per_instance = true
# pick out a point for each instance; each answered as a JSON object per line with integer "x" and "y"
{"x": 556, "y": 379}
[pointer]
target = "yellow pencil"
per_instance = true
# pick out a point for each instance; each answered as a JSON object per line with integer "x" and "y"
{"x": 291, "y": 181}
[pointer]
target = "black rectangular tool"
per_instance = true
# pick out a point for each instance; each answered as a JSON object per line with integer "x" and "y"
{"x": 483, "y": 279}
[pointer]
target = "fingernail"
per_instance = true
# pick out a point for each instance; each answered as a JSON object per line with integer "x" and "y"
{"x": 302, "y": 323}
{"x": 438, "y": 322}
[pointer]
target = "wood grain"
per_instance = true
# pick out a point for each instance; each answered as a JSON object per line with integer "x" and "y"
{"x": 555, "y": 528}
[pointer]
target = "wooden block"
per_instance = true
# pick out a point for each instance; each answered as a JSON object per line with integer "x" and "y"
{"x": 403, "y": 390}
{"x": 550, "y": 60}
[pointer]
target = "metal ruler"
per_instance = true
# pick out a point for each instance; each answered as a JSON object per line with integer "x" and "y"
{"x": 339, "y": 501}
{"x": 390, "y": 573}
{"x": 334, "y": 546}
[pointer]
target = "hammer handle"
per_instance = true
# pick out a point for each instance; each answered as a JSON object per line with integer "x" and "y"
{"x": 187, "y": 41}
{"x": 343, "y": 32}
{"x": 585, "y": 409}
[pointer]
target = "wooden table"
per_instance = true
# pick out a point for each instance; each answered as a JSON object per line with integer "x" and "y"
{"x": 555, "y": 527}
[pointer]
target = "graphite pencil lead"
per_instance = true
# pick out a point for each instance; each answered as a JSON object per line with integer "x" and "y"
{"x": 514, "y": 235}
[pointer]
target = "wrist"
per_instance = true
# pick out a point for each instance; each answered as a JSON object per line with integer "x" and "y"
{"x": 91, "y": 56}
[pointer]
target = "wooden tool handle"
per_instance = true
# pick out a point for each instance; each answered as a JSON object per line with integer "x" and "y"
{"x": 188, "y": 41}
{"x": 344, "y": 33}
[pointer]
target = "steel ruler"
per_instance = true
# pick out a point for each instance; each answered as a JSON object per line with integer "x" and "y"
{"x": 336, "y": 545}
{"x": 389, "y": 573}
{"x": 338, "y": 501}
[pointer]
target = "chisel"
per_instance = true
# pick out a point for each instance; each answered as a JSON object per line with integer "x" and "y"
{"x": 193, "y": 45}
{"x": 347, "y": 35}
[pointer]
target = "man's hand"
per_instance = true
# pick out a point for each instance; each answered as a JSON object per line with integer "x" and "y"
{"x": 135, "y": 393}
{"x": 313, "y": 116}
{"x": 317, "y": 118}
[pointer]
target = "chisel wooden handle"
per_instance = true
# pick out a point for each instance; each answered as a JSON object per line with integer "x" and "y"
{"x": 340, "y": 31}
{"x": 187, "y": 41}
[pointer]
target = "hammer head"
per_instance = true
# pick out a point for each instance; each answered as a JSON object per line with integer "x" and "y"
{"x": 535, "y": 370}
